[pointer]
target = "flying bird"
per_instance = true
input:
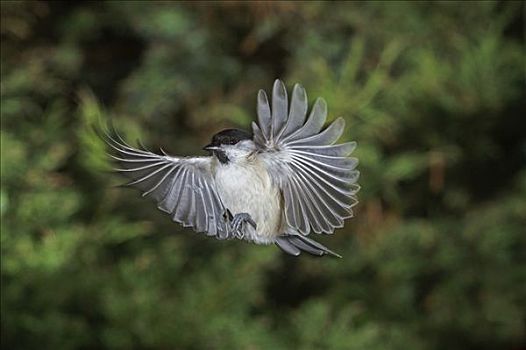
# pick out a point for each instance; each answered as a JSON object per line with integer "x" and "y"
{"x": 275, "y": 186}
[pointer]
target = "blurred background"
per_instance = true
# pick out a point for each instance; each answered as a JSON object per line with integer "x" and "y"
{"x": 434, "y": 94}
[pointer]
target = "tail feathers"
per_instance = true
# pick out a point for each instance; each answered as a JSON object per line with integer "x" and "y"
{"x": 294, "y": 244}
{"x": 287, "y": 247}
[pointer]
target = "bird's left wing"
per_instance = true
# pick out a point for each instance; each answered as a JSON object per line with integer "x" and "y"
{"x": 182, "y": 186}
{"x": 317, "y": 177}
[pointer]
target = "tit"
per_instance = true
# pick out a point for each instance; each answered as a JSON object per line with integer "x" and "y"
{"x": 276, "y": 185}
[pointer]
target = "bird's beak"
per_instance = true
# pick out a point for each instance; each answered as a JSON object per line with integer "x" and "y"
{"x": 210, "y": 147}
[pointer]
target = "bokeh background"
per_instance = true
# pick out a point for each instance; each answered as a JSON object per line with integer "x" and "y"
{"x": 434, "y": 94}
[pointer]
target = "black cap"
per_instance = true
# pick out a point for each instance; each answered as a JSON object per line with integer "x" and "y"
{"x": 228, "y": 137}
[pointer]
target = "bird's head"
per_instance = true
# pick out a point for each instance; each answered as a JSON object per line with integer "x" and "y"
{"x": 231, "y": 145}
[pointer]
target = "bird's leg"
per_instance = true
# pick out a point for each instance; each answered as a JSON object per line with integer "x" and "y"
{"x": 236, "y": 223}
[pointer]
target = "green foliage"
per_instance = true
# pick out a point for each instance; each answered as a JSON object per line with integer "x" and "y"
{"x": 432, "y": 92}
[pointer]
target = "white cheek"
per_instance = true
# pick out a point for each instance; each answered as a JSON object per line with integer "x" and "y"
{"x": 235, "y": 153}
{"x": 230, "y": 153}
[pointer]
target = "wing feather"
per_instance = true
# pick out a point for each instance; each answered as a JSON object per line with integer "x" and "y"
{"x": 335, "y": 199}
{"x": 171, "y": 199}
{"x": 160, "y": 181}
{"x": 200, "y": 213}
{"x": 300, "y": 211}
{"x": 315, "y": 213}
{"x": 279, "y": 108}
{"x": 316, "y": 120}
{"x": 147, "y": 176}
{"x": 212, "y": 214}
{"x": 323, "y": 207}
{"x": 340, "y": 150}
{"x": 259, "y": 138}
{"x": 327, "y": 137}
{"x": 144, "y": 167}
{"x": 264, "y": 117}
{"x": 298, "y": 110}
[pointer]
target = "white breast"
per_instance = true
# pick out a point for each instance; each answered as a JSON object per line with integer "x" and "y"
{"x": 246, "y": 188}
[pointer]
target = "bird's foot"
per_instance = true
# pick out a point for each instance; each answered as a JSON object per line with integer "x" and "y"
{"x": 237, "y": 224}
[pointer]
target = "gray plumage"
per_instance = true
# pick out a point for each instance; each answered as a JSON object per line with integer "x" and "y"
{"x": 290, "y": 179}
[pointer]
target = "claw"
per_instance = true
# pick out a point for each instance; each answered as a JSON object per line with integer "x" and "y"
{"x": 227, "y": 215}
{"x": 236, "y": 223}
{"x": 252, "y": 223}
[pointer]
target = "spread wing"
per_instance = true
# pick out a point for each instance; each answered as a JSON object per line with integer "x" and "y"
{"x": 182, "y": 186}
{"x": 315, "y": 174}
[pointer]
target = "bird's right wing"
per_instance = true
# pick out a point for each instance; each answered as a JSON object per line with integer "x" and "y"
{"x": 182, "y": 186}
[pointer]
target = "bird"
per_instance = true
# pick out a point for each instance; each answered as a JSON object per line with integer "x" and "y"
{"x": 275, "y": 185}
